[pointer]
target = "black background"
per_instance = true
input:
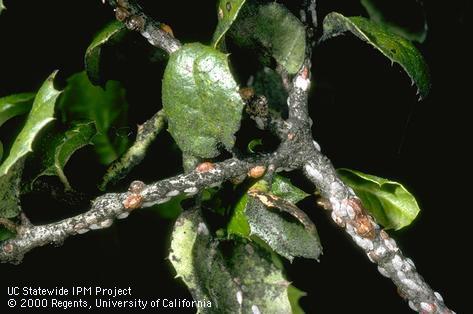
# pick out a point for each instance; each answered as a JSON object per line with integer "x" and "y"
{"x": 365, "y": 117}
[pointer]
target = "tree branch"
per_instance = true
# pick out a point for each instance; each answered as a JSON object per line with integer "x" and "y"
{"x": 106, "y": 208}
{"x": 131, "y": 14}
{"x": 146, "y": 134}
{"x": 348, "y": 213}
{"x": 309, "y": 8}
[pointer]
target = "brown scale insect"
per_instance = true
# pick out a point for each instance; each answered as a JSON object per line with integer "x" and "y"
{"x": 134, "y": 198}
{"x": 257, "y": 172}
{"x": 205, "y": 167}
{"x": 362, "y": 222}
{"x": 8, "y": 248}
{"x": 133, "y": 201}
{"x": 364, "y": 227}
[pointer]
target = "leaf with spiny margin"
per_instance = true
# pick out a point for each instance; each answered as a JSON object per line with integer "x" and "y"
{"x": 280, "y": 224}
{"x": 201, "y": 100}
{"x": 394, "y": 47}
{"x": 283, "y": 188}
{"x": 294, "y": 296}
{"x": 110, "y": 34}
{"x": 56, "y": 149}
{"x": 12, "y": 106}
{"x": 40, "y": 115}
{"x": 227, "y": 13}
{"x": 391, "y": 204}
{"x": 274, "y": 28}
{"x": 384, "y": 12}
{"x": 106, "y": 107}
{"x": 244, "y": 281}
{"x": 15, "y": 105}
{"x": 42, "y": 112}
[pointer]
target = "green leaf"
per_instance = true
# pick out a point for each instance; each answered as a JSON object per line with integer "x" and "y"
{"x": 12, "y": 106}
{"x": 2, "y": 7}
{"x": 109, "y": 35}
{"x": 58, "y": 148}
{"x": 292, "y": 235}
{"x": 262, "y": 282}
{"x": 391, "y": 204}
{"x": 394, "y": 47}
{"x": 295, "y": 295}
{"x": 283, "y": 188}
{"x": 274, "y": 28}
{"x": 40, "y": 115}
{"x": 201, "y": 100}
{"x": 227, "y": 13}
{"x": 239, "y": 222}
{"x": 280, "y": 224}
{"x": 246, "y": 280}
{"x": 15, "y": 105}
{"x": 387, "y": 13}
{"x": 106, "y": 107}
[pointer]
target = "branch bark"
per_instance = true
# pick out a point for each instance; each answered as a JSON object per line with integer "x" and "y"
{"x": 132, "y": 15}
{"x": 112, "y": 206}
{"x": 349, "y": 214}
